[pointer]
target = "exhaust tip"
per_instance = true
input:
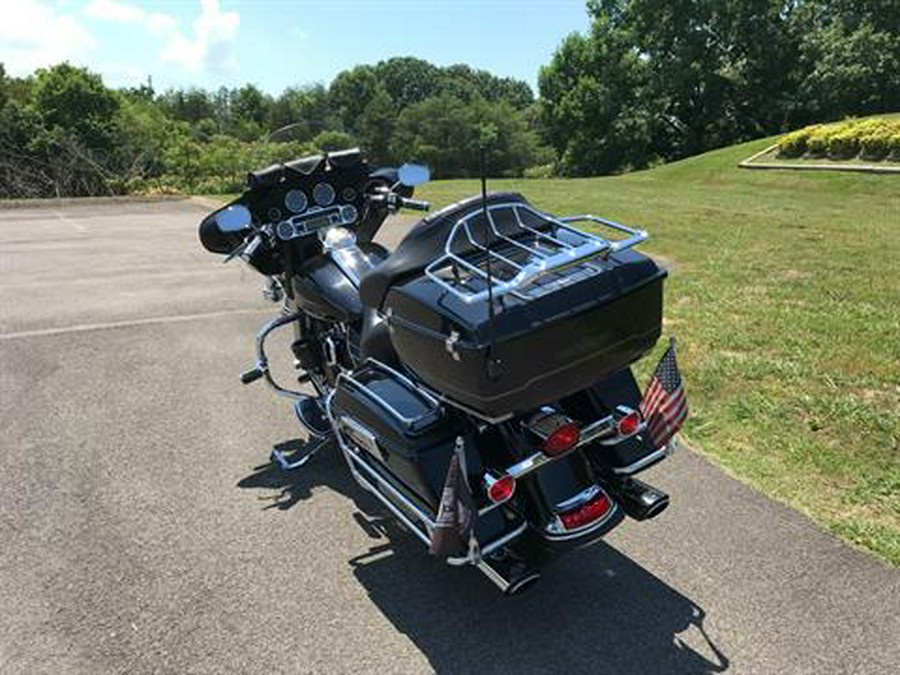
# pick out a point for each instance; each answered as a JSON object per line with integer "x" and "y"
{"x": 657, "y": 507}
{"x": 523, "y": 583}
{"x": 640, "y": 501}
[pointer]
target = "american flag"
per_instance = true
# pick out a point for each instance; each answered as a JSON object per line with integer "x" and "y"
{"x": 665, "y": 405}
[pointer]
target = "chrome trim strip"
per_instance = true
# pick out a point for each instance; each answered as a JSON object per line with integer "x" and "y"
{"x": 384, "y": 483}
{"x": 554, "y": 530}
{"x": 361, "y": 434}
{"x": 413, "y": 389}
{"x": 647, "y": 460}
{"x": 582, "y": 497}
{"x": 589, "y": 434}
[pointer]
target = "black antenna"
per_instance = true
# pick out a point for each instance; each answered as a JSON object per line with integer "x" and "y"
{"x": 492, "y": 363}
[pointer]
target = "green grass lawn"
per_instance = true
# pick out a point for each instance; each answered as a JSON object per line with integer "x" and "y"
{"x": 785, "y": 298}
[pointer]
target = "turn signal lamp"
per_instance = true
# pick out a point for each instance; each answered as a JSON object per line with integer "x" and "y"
{"x": 629, "y": 424}
{"x": 501, "y": 489}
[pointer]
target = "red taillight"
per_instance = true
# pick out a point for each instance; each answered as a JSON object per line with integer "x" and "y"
{"x": 629, "y": 424}
{"x": 501, "y": 489}
{"x": 561, "y": 439}
{"x": 587, "y": 513}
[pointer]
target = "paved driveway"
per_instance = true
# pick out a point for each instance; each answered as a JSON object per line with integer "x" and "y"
{"x": 142, "y": 530}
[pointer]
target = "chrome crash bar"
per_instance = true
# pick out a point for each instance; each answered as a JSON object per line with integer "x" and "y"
{"x": 261, "y": 368}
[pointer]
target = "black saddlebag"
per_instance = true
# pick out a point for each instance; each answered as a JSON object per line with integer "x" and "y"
{"x": 400, "y": 428}
{"x": 544, "y": 347}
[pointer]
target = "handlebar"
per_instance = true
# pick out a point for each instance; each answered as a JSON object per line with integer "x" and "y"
{"x": 414, "y": 204}
{"x": 394, "y": 201}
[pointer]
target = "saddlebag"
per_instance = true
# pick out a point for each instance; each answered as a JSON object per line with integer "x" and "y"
{"x": 384, "y": 415}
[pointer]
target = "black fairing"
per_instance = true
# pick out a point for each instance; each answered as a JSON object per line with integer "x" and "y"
{"x": 347, "y": 171}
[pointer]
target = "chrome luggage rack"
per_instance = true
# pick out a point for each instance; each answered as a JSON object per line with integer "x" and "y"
{"x": 535, "y": 255}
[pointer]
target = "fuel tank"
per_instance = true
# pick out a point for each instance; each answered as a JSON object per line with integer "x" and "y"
{"x": 326, "y": 286}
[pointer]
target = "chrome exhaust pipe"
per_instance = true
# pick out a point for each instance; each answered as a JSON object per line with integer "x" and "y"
{"x": 510, "y": 573}
{"x": 640, "y": 501}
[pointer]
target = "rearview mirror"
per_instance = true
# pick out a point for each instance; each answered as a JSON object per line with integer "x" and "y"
{"x": 233, "y": 218}
{"x": 413, "y": 174}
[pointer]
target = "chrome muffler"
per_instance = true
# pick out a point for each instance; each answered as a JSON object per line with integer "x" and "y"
{"x": 639, "y": 500}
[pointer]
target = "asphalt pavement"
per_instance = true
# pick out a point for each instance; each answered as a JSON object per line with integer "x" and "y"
{"x": 143, "y": 530}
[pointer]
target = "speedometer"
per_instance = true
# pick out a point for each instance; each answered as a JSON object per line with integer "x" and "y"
{"x": 295, "y": 201}
{"x": 323, "y": 193}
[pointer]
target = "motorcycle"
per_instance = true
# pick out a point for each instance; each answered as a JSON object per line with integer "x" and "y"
{"x": 495, "y": 333}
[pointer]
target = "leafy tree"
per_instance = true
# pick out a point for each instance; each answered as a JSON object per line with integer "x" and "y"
{"x": 352, "y": 91}
{"x": 408, "y": 80}
{"x": 328, "y": 141}
{"x": 446, "y": 133}
{"x": 593, "y": 106}
{"x": 249, "y": 104}
{"x": 191, "y": 106}
{"x": 73, "y": 103}
{"x": 670, "y": 78}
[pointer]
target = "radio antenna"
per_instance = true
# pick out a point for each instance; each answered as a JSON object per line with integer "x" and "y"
{"x": 492, "y": 363}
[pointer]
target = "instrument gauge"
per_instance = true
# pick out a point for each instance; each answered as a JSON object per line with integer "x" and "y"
{"x": 295, "y": 201}
{"x": 323, "y": 194}
{"x": 348, "y": 194}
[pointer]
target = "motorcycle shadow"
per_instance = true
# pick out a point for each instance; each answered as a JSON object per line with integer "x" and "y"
{"x": 594, "y": 611}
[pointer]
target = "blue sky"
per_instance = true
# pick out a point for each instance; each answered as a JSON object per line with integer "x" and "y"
{"x": 279, "y": 43}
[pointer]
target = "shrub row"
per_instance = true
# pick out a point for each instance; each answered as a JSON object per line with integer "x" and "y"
{"x": 871, "y": 139}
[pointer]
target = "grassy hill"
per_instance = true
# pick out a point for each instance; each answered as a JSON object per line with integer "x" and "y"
{"x": 785, "y": 297}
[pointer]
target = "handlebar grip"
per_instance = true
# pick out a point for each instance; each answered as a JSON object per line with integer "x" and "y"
{"x": 414, "y": 204}
{"x": 252, "y": 375}
{"x": 251, "y": 248}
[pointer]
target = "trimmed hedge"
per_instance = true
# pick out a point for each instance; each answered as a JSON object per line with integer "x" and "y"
{"x": 870, "y": 139}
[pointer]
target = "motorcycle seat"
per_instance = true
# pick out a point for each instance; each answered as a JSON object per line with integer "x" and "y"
{"x": 422, "y": 244}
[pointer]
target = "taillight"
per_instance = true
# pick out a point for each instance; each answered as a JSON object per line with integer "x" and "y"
{"x": 501, "y": 489}
{"x": 587, "y": 513}
{"x": 557, "y": 432}
{"x": 629, "y": 424}
{"x": 561, "y": 439}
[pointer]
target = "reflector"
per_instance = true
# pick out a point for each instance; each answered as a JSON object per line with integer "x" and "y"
{"x": 587, "y": 513}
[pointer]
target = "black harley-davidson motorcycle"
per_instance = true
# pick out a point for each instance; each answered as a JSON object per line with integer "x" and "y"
{"x": 494, "y": 330}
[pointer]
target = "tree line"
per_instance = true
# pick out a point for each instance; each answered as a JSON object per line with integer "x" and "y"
{"x": 657, "y": 80}
{"x": 651, "y": 81}
{"x": 63, "y": 132}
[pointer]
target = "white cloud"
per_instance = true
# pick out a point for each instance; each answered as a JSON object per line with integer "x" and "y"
{"x": 114, "y": 11}
{"x": 122, "y": 12}
{"x": 207, "y": 48}
{"x": 210, "y": 46}
{"x": 34, "y": 34}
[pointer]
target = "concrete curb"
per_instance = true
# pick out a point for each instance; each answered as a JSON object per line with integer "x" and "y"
{"x": 87, "y": 201}
{"x": 749, "y": 163}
